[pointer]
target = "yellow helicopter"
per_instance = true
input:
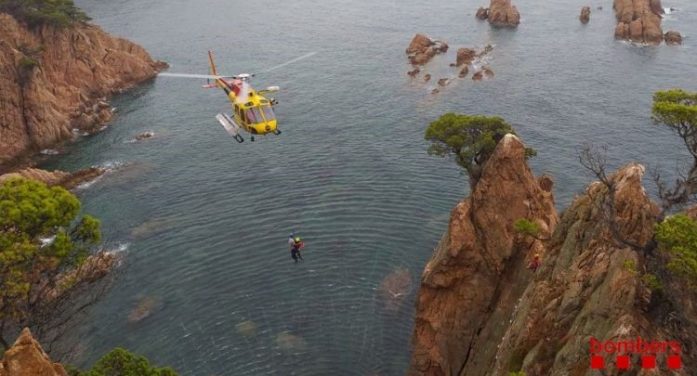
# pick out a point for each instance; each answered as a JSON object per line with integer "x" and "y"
{"x": 251, "y": 110}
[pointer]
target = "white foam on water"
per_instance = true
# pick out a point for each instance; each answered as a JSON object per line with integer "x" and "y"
{"x": 49, "y": 152}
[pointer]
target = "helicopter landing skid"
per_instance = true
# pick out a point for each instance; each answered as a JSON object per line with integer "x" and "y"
{"x": 230, "y": 126}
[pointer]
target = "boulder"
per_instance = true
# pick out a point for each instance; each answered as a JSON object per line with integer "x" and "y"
{"x": 463, "y": 72}
{"x": 585, "y": 15}
{"x": 443, "y": 81}
{"x": 465, "y": 56}
{"x": 427, "y": 77}
{"x": 673, "y": 37}
{"x": 422, "y": 49}
{"x": 482, "y": 13}
{"x": 484, "y": 73}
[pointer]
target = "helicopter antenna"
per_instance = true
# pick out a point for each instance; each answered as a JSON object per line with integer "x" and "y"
{"x": 289, "y": 62}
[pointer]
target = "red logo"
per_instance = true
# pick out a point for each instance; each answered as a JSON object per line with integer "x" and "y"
{"x": 647, "y": 351}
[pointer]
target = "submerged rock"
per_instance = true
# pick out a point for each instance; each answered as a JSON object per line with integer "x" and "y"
{"x": 435, "y": 91}
{"x": 395, "y": 287}
{"x": 413, "y": 73}
{"x": 247, "y": 328}
{"x": 145, "y": 135}
{"x": 585, "y": 15}
{"x": 290, "y": 342}
{"x": 143, "y": 309}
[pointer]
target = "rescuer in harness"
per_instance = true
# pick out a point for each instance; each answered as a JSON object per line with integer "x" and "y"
{"x": 296, "y": 244}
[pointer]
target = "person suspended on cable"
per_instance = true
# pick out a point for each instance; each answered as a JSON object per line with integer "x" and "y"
{"x": 296, "y": 244}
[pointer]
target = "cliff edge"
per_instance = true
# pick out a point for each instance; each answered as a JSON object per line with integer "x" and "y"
{"x": 56, "y": 79}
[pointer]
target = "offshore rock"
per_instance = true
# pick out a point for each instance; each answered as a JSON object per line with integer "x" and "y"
{"x": 673, "y": 38}
{"x": 465, "y": 56}
{"x": 478, "y": 270}
{"x": 53, "y": 80}
{"x": 503, "y": 14}
{"x": 482, "y": 13}
{"x": 639, "y": 20}
{"x": 422, "y": 49}
{"x": 27, "y": 358}
{"x": 484, "y": 73}
{"x": 585, "y": 15}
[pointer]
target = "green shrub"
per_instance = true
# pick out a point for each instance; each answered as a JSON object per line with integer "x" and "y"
{"x": 651, "y": 281}
{"x": 27, "y": 63}
{"x": 678, "y": 235}
{"x": 121, "y": 362}
{"x": 526, "y": 227}
{"x": 630, "y": 266}
{"x": 59, "y": 13}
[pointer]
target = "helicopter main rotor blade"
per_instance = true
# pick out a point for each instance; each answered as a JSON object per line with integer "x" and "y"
{"x": 188, "y": 75}
{"x": 289, "y": 62}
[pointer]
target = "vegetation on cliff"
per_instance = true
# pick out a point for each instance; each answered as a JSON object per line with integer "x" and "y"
{"x": 677, "y": 110}
{"x": 678, "y": 235}
{"x": 46, "y": 257}
{"x": 121, "y": 362}
{"x": 470, "y": 139}
{"x": 60, "y": 13}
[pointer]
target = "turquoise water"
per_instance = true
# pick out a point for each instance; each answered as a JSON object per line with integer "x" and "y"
{"x": 204, "y": 220}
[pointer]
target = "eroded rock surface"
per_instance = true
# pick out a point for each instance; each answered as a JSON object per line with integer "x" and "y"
{"x": 478, "y": 270}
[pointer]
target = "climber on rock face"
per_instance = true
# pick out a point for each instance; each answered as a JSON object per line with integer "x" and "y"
{"x": 535, "y": 263}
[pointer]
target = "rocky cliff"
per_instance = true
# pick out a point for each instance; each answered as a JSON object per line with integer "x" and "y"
{"x": 27, "y": 358}
{"x": 478, "y": 271}
{"x": 53, "y": 80}
{"x": 480, "y": 311}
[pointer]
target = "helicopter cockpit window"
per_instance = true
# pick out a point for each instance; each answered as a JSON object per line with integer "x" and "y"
{"x": 254, "y": 116}
{"x": 268, "y": 113}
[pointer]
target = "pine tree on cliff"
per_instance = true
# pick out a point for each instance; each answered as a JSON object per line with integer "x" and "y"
{"x": 677, "y": 110}
{"x": 46, "y": 260}
{"x": 470, "y": 139}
